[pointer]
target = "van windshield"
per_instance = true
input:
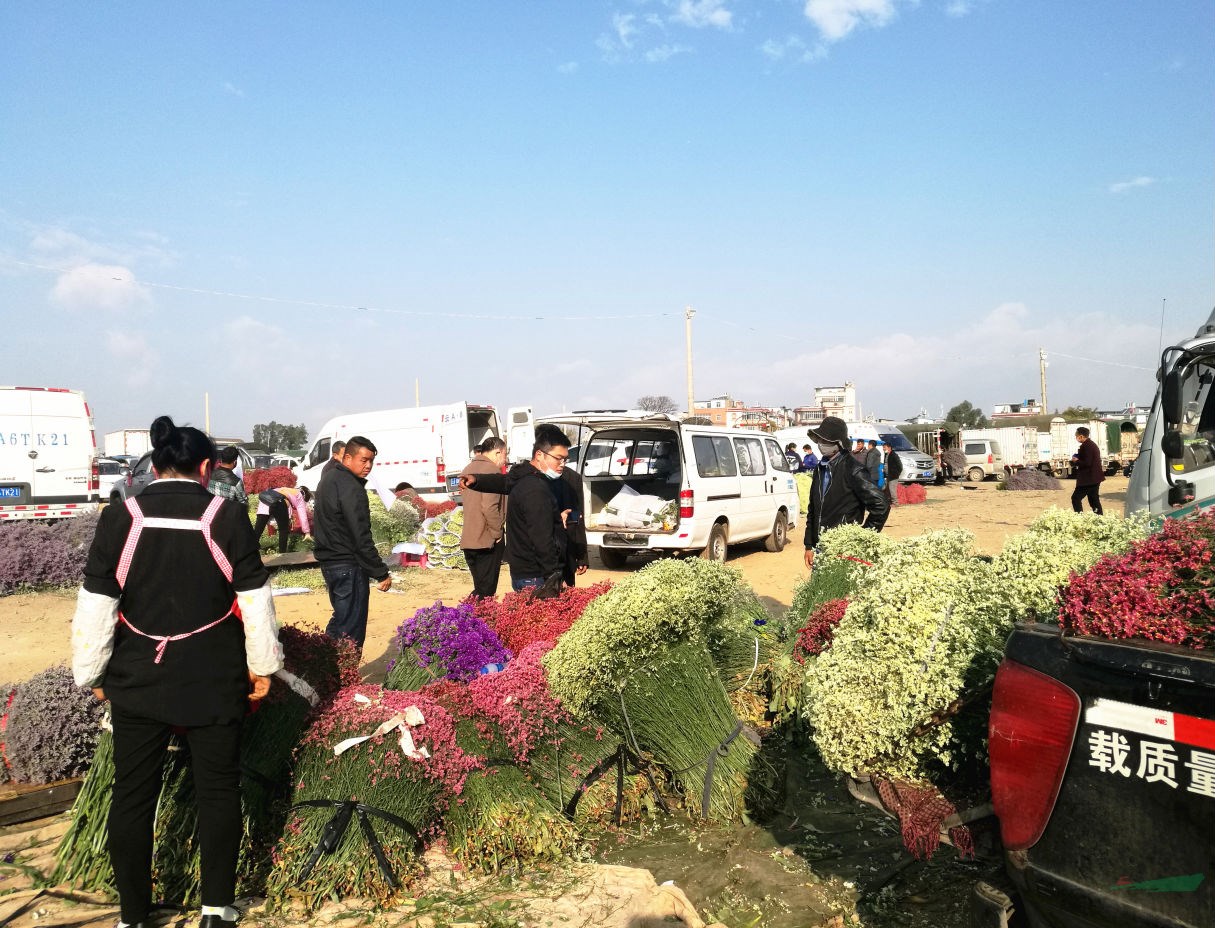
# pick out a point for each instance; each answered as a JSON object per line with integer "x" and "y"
{"x": 898, "y": 441}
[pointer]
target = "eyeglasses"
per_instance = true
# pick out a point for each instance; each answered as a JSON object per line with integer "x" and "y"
{"x": 560, "y": 459}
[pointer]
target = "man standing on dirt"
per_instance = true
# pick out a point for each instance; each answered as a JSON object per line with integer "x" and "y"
{"x": 894, "y": 470}
{"x": 344, "y": 546}
{"x": 1089, "y": 473}
{"x": 841, "y": 493}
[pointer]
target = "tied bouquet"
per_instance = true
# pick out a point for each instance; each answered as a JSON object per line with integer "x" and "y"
{"x": 443, "y": 642}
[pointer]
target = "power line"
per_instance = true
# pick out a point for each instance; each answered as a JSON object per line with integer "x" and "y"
{"x": 349, "y": 307}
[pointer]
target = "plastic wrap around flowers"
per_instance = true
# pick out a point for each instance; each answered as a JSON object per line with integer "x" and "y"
{"x": 443, "y": 642}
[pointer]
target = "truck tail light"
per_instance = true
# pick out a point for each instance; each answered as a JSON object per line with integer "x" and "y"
{"x": 440, "y": 472}
{"x": 990, "y": 459}
{"x": 687, "y": 504}
{"x": 95, "y": 476}
{"x": 1033, "y": 724}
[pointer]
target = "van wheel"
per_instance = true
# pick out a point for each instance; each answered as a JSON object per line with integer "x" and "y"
{"x": 610, "y": 559}
{"x": 976, "y": 474}
{"x": 780, "y": 534}
{"x": 715, "y": 550}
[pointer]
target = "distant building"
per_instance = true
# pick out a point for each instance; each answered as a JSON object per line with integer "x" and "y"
{"x": 829, "y": 401}
{"x": 720, "y": 410}
{"x": 1030, "y": 407}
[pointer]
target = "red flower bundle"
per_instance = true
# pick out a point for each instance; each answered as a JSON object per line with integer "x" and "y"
{"x": 520, "y": 619}
{"x": 268, "y": 478}
{"x": 815, "y": 636}
{"x": 1161, "y": 589}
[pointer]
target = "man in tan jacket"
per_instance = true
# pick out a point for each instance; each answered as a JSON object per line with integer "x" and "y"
{"x": 484, "y": 516}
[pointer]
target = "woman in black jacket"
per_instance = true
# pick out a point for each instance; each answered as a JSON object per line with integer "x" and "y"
{"x": 175, "y": 626}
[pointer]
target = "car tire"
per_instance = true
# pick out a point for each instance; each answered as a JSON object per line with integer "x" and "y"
{"x": 976, "y": 474}
{"x": 780, "y": 534}
{"x": 717, "y": 545}
{"x": 610, "y": 558}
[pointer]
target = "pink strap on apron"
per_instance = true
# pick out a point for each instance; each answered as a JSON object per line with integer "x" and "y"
{"x": 217, "y": 555}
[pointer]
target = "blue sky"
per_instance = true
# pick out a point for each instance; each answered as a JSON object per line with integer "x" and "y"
{"x": 303, "y": 209}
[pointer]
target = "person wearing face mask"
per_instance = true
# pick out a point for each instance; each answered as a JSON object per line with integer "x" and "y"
{"x": 841, "y": 492}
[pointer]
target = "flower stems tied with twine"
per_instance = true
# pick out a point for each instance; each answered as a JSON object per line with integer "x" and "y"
{"x": 336, "y": 827}
{"x": 621, "y": 758}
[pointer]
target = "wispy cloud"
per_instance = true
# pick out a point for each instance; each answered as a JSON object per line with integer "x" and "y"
{"x": 567, "y": 67}
{"x": 140, "y": 361}
{"x": 958, "y": 8}
{"x": 61, "y": 245}
{"x": 791, "y": 48}
{"x": 105, "y": 287}
{"x": 835, "y": 19}
{"x": 664, "y": 52}
{"x": 232, "y": 89}
{"x": 1125, "y": 185}
{"x": 701, "y": 13}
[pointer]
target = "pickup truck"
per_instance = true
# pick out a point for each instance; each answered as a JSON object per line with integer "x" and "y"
{"x": 1103, "y": 781}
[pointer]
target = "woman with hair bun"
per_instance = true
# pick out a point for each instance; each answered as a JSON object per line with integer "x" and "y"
{"x": 175, "y": 626}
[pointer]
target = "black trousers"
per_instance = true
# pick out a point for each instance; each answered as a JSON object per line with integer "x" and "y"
{"x": 485, "y": 564}
{"x": 282, "y": 520}
{"x": 139, "y": 753}
{"x": 1092, "y": 491}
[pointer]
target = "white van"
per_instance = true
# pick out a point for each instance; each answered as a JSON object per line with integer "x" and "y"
{"x": 654, "y": 484}
{"x": 426, "y": 446}
{"x": 48, "y": 454}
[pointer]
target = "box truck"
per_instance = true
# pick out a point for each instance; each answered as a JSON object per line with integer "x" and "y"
{"x": 127, "y": 443}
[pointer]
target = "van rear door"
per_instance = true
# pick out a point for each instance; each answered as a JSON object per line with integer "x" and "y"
{"x": 62, "y": 446}
{"x": 520, "y": 433}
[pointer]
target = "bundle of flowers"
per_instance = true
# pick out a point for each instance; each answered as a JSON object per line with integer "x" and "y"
{"x": 500, "y": 818}
{"x": 7, "y": 692}
{"x": 926, "y": 630}
{"x": 911, "y": 493}
{"x": 442, "y": 642}
{"x": 844, "y": 558}
{"x": 34, "y": 554}
{"x": 268, "y": 478}
{"x": 804, "y": 482}
{"x": 1160, "y": 589}
{"x": 431, "y": 510}
{"x": 441, "y": 536}
{"x": 522, "y": 718}
{"x": 815, "y": 636}
{"x": 520, "y": 619}
{"x": 639, "y": 659}
{"x": 51, "y": 728}
{"x": 399, "y": 522}
{"x": 315, "y": 668}
{"x": 743, "y": 643}
{"x": 374, "y": 771}
{"x": 1030, "y": 478}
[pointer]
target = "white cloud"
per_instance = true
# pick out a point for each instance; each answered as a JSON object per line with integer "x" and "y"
{"x": 958, "y": 8}
{"x": 792, "y": 48}
{"x": 137, "y": 362}
{"x": 232, "y": 89}
{"x": 1125, "y": 185}
{"x": 253, "y": 345}
{"x": 63, "y": 245}
{"x": 625, "y": 26}
{"x": 701, "y": 13}
{"x": 665, "y": 52}
{"x": 836, "y": 18}
{"x": 108, "y": 287}
{"x": 567, "y": 67}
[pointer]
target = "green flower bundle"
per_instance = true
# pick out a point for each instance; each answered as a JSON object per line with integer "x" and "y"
{"x": 82, "y": 859}
{"x": 396, "y": 755}
{"x": 441, "y": 536}
{"x": 399, "y": 522}
{"x": 845, "y": 557}
{"x": 639, "y": 660}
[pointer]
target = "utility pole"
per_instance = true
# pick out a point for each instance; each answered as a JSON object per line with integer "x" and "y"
{"x": 1042, "y": 377}
{"x": 688, "y": 313}
{"x": 417, "y": 391}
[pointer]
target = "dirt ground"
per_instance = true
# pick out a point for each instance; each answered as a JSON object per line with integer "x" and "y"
{"x": 35, "y": 629}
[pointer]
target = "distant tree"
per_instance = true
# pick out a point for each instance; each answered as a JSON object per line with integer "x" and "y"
{"x": 274, "y": 436}
{"x": 1079, "y": 412}
{"x": 657, "y": 404}
{"x": 967, "y": 415}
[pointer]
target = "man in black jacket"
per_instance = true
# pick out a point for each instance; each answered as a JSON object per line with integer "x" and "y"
{"x": 344, "y": 546}
{"x": 841, "y": 492}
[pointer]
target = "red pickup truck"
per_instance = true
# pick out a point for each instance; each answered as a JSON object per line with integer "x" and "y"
{"x": 1103, "y": 781}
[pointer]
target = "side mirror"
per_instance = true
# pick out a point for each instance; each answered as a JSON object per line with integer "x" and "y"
{"x": 1171, "y": 444}
{"x": 1171, "y": 403}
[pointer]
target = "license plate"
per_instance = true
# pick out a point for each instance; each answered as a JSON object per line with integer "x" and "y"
{"x": 10, "y": 492}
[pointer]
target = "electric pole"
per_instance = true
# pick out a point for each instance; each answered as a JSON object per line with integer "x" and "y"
{"x": 1042, "y": 377}
{"x": 688, "y": 313}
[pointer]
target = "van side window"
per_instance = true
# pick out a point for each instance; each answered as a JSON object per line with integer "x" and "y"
{"x": 320, "y": 453}
{"x": 776, "y": 457}
{"x": 750, "y": 456}
{"x": 974, "y": 448}
{"x": 1198, "y": 426}
{"x": 714, "y": 456}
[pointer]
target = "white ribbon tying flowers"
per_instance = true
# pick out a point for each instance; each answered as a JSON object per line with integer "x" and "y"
{"x": 299, "y": 686}
{"x": 402, "y": 722}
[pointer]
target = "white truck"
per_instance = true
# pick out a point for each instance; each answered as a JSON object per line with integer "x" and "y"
{"x": 1174, "y": 474}
{"x": 1018, "y": 444}
{"x": 48, "y": 454}
{"x": 425, "y": 446}
{"x": 132, "y": 442}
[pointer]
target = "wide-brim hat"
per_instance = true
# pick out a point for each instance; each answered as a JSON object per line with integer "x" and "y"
{"x": 831, "y": 429}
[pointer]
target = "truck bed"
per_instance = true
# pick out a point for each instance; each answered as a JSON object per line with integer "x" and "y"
{"x": 1131, "y": 837}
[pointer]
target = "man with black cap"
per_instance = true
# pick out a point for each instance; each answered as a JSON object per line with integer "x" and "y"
{"x": 841, "y": 493}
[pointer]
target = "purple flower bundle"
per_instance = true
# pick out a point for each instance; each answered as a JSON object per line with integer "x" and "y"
{"x": 37, "y": 554}
{"x": 52, "y": 728}
{"x": 443, "y": 642}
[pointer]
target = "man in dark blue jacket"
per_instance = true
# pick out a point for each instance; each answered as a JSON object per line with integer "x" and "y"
{"x": 344, "y": 546}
